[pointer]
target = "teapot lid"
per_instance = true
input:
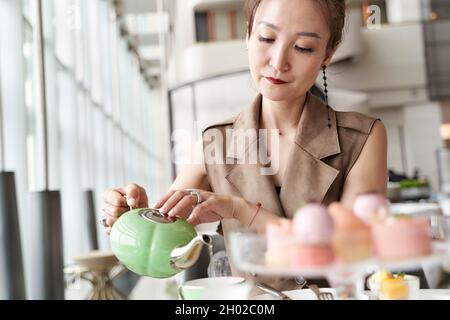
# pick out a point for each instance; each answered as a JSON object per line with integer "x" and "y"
{"x": 156, "y": 216}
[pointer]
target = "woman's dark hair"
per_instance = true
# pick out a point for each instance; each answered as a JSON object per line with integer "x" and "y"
{"x": 334, "y": 12}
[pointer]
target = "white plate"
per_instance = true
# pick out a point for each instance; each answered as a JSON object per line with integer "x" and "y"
{"x": 307, "y": 294}
{"x": 434, "y": 294}
{"x": 301, "y": 294}
{"x": 428, "y": 294}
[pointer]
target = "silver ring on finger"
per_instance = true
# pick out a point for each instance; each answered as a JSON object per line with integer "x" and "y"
{"x": 197, "y": 194}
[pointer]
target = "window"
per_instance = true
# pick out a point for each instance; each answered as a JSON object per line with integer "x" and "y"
{"x": 219, "y": 25}
{"x": 437, "y": 49}
{"x": 98, "y": 107}
{"x": 439, "y": 10}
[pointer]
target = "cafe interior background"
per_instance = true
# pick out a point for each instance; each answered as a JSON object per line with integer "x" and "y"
{"x": 92, "y": 92}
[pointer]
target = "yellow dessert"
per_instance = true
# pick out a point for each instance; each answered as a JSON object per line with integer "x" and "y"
{"x": 375, "y": 280}
{"x": 393, "y": 288}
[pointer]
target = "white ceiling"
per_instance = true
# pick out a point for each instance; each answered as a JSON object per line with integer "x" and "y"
{"x": 137, "y": 6}
{"x": 200, "y": 5}
{"x": 146, "y": 22}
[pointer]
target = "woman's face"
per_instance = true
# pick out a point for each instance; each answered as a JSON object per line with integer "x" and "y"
{"x": 287, "y": 48}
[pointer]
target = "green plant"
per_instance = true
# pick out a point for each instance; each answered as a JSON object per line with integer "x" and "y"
{"x": 413, "y": 183}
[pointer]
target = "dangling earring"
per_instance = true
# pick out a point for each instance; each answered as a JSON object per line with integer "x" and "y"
{"x": 325, "y": 85}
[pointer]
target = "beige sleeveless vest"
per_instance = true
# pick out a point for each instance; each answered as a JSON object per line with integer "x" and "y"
{"x": 317, "y": 167}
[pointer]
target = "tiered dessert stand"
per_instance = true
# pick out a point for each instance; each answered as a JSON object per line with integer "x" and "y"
{"x": 248, "y": 254}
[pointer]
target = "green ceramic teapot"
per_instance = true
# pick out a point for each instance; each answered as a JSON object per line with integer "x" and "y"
{"x": 149, "y": 244}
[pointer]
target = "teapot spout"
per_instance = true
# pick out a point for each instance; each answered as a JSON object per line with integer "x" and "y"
{"x": 186, "y": 256}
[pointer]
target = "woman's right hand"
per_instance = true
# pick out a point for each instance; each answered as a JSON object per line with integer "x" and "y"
{"x": 119, "y": 200}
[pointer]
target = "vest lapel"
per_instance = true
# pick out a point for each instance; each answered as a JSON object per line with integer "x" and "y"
{"x": 306, "y": 177}
{"x": 244, "y": 176}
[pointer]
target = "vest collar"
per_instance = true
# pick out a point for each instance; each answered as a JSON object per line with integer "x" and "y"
{"x": 306, "y": 177}
{"x": 313, "y": 134}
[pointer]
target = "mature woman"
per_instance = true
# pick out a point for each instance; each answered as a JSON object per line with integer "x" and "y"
{"x": 318, "y": 155}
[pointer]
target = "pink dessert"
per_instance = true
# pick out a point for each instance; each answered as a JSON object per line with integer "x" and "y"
{"x": 313, "y": 230}
{"x": 304, "y": 241}
{"x": 352, "y": 239}
{"x": 313, "y": 225}
{"x": 279, "y": 234}
{"x": 311, "y": 255}
{"x": 371, "y": 207}
{"x": 402, "y": 237}
{"x": 279, "y": 237}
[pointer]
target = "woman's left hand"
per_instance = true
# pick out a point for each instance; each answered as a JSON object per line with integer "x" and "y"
{"x": 212, "y": 207}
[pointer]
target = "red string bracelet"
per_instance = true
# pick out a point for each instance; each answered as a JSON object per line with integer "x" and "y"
{"x": 258, "y": 207}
